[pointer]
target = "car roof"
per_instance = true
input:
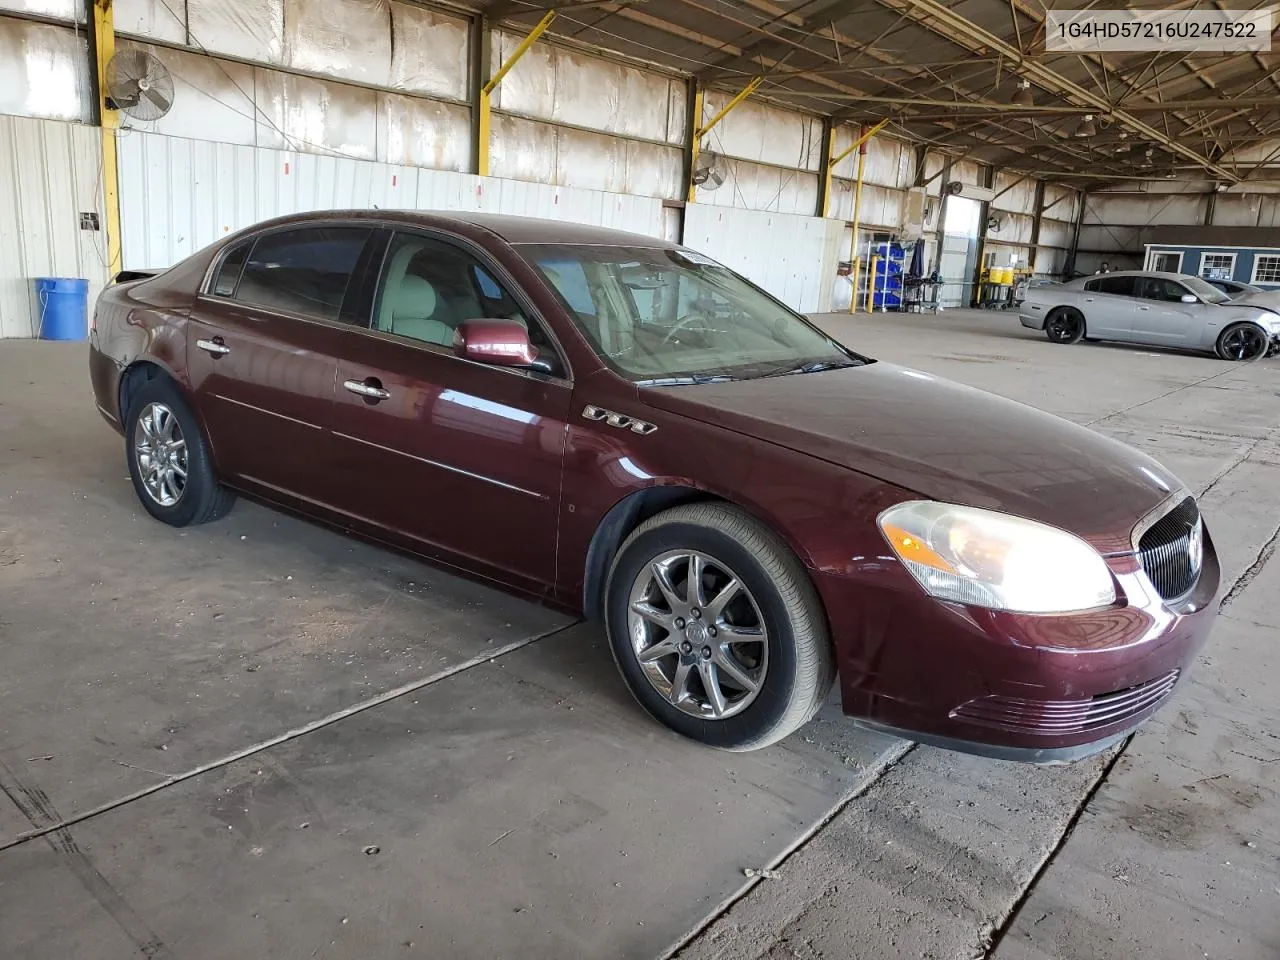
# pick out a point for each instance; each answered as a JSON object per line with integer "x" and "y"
{"x": 514, "y": 230}
{"x": 1140, "y": 273}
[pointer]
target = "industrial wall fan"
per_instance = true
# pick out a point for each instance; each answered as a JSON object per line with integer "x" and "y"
{"x": 139, "y": 85}
{"x": 709, "y": 171}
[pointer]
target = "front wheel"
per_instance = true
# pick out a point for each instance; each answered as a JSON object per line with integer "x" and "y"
{"x": 1242, "y": 341}
{"x": 717, "y": 629}
{"x": 1065, "y": 326}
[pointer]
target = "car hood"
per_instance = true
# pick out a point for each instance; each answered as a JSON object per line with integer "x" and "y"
{"x": 944, "y": 441}
{"x": 1267, "y": 300}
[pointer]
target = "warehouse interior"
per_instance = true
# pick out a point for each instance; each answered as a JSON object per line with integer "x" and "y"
{"x": 263, "y": 738}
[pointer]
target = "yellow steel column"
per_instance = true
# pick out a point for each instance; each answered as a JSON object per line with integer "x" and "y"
{"x": 483, "y": 105}
{"x": 699, "y": 101}
{"x": 700, "y": 132}
{"x": 105, "y": 48}
{"x": 832, "y": 161}
{"x": 861, "y": 146}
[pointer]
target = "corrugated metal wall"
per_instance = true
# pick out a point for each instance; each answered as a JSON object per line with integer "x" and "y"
{"x": 178, "y": 195}
{"x": 48, "y": 177}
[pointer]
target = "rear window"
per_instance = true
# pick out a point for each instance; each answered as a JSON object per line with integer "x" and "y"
{"x": 304, "y": 271}
{"x": 1119, "y": 286}
{"x": 228, "y": 278}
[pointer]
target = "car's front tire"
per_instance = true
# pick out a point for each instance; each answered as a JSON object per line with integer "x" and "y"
{"x": 1065, "y": 325}
{"x": 717, "y": 629}
{"x": 1242, "y": 341}
{"x": 169, "y": 460}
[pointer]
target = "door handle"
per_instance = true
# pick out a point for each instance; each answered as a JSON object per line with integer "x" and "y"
{"x": 1088, "y": 299}
{"x": 215, "y": 347}
{"x": 369, "y": 388}
{"x": 1144, "y": 308}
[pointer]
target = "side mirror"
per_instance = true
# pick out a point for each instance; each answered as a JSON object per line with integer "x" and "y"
{"x": 1190, "y": 298}
{"x": 503, "y": 343}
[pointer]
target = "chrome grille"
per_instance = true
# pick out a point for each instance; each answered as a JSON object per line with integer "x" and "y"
{"x": 1057, "y": 717}
{"x": 1171, "y": 551}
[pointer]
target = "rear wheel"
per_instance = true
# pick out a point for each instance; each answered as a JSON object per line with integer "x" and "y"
{"x": 1065, "y": 325}
{"x": 717, "y": 629}
{"x": 169, "y": 460}
{"x": 1242, "y": 341}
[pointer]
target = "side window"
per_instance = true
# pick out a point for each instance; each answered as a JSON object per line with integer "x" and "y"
{"x": 1117, "y": 286}
{"x": 1166, "y": 291}
{"x": 428, "y": 287}
{"x": 228, "y": 277}
{"x": 305, "y": 271}
{"x": 1093, "y": 285}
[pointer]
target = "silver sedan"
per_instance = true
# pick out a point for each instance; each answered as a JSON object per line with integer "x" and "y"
{"x": 1157, "y": 309}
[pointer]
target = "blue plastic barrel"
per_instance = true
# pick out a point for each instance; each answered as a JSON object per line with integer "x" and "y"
{"x": 63, "y": 308}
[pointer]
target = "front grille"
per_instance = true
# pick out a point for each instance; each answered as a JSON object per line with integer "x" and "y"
{"x": 1172, "y": 549}
{"x": 1059, "y": 717}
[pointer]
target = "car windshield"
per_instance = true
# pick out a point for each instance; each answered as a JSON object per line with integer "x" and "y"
{"x": 674, "y": 316}
{"x": 1205, "y": 291}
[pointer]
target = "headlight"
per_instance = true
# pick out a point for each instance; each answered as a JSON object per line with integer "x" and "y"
{"x": 990, "y": 559}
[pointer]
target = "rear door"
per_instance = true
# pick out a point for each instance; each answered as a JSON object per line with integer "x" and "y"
{"x": 458, "y": 459}
{"x": 1162, "y": 319}
{"x": 262, "y": 347}
{"x": 1108, "y": 306}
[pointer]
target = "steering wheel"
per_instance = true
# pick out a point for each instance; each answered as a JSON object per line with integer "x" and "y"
{"x": 682, "y": 323}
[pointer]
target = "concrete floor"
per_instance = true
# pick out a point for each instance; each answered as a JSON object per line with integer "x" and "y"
{"x": 262, "y": 739}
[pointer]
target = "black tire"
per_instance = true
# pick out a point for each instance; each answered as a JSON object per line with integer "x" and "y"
{"x": 800, "y": 662}
{"x": 1065, "y": 325}
{"x": 201, "y": 498}
{"x": 1242, "y": 341}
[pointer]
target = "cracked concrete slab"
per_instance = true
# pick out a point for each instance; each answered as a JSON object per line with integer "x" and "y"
{"x": 468, "y": 792}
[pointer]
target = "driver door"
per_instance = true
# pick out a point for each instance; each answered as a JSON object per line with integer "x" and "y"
{"x": 1161, "y": 317}
{"x": 460, "y": 460}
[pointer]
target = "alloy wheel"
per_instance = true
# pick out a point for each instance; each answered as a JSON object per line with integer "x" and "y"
{"x": 160, "y": 451}
{"x": 1243, "y": 343}
{"x": 697, "y": 634}
{"x": 1062, "y": 327}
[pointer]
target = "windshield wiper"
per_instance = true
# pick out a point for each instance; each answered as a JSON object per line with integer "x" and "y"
{"x": 685, "y": 380}
{"x": 816, "y": 366}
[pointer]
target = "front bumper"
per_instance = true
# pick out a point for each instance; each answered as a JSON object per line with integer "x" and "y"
{"x": 1042, "y": 689}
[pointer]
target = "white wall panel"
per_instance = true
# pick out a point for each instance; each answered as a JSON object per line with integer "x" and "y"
{"x": 248, "y": 29}
{"x": 1016, "y": 194}
{"x": 153, "y": 19}
{"x": 546, "y": 153}
{"x": 298, "y": 111}
{"x": 1237, "y": 211}
{"x": 1050, "y": 261}
{"x": 212, "y": 99}
{"x": 1055, "y": 233}
{"x": 423, "y": 133}
{"x": 569, "y": 87}
{"x": 966, "y": 171}
{"x": 48, "y": 177}
{"x": 429, "y": 52}
{"x": 1144, "y": 210}
{"x": 755, "y": 131}
{"x": 348, "y": 39}
{"x": 881, "y": 206}
{"x": 754, "y": 186}
{"x": 44, "y": 71}
{"x": 792, "y": 257}
{"x": 888, "y": 163}
{"x": 1014, "y": 227}
{"x": 179, "y": 195}
{"x": 62, "y": 9}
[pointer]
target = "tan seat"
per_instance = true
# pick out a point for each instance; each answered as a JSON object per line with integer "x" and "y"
{"x": 412, "y": 313}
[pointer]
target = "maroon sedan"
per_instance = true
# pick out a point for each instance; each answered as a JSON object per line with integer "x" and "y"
{"x": 621, "y": 427}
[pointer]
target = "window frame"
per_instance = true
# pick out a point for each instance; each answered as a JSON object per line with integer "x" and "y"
{"x": 1153, "y": 280}
{"x": 480, "y": 256}
{"x": 358, "y": 272}
{"x": 1257, "y": 258}
{"x": 1164, "y": 251}
{"x": 1099, "y": 281}
{"x": 1234, "y": 256}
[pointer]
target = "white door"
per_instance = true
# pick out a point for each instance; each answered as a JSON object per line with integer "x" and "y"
{"x": 1165, "y": 261}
